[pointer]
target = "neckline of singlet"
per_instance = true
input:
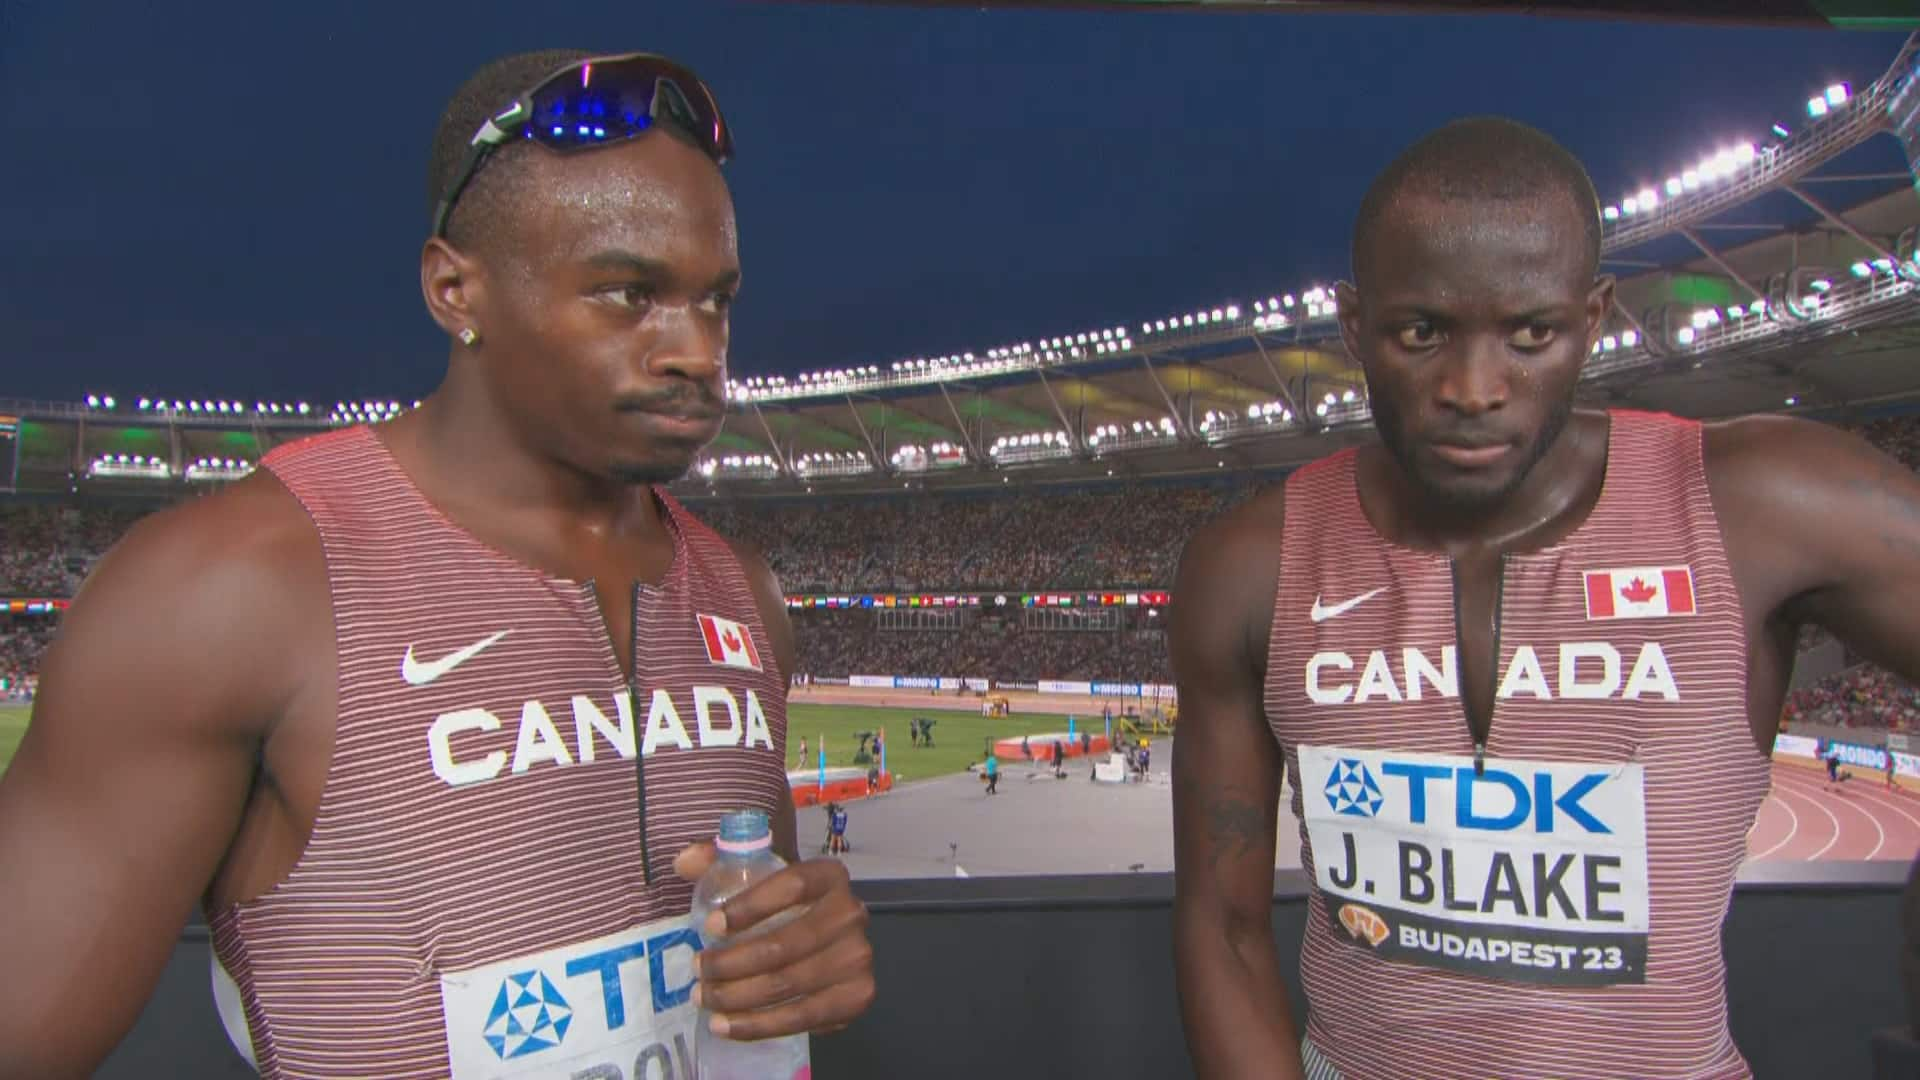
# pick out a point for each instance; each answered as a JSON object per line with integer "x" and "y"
{"x": 385, "y": 461}
{"x": 1350, "y": 482}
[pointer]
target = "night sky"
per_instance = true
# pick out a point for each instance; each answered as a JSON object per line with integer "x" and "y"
{"x": 228, "y": 199}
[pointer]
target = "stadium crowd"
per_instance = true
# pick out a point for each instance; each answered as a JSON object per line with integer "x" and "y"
{"x": 1864, "y": 696}
{"x": 1031, "y": 539}
{"x": 1037, "y": 539}
{"x": 841, "y": 644}
{"x": 21, "y": 645}
{"x": 47, "y": 550}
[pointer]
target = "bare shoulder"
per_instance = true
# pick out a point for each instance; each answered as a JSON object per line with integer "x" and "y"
{"x": 211, "y": 590}
{"x": 1815, "y": 520}
{"x": 1763, "y": 463}
{"x": 1224, "y": 589}
{"x": 1240, "y": 547}
{"x": 253, "y": 533}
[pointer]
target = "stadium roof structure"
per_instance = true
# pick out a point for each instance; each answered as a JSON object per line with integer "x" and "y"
{"x": 1813, "y": 304}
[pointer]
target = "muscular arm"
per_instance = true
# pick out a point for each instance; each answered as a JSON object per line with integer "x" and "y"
{"x": 1821, "y": 528}
{"x": 1226, "y": 791}
{"x": 132, "y": 778}
{"x": 772, "y": 605}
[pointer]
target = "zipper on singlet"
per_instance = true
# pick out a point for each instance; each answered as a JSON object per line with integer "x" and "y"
{"x": 639, "y": 758}
{"x": 1493, "y": 661}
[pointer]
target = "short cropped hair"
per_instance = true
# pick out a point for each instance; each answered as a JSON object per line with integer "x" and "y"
{"x": 1482, "y": 158}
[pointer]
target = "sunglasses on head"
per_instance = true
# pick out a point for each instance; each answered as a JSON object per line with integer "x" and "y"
{"x": 595, "y": 103}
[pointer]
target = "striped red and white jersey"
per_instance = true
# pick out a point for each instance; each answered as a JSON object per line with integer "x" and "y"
{"x": 473, "y": 901}
{"x": 1553, "y": 909}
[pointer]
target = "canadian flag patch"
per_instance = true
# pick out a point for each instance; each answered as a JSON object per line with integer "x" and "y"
{"x": 1640, "y": 592}
{"x": 728, "y": 643}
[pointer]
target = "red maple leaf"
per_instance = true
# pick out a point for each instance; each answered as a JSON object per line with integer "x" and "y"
{"x": 731, "y": 640}
{"x": 1638, "y": 591}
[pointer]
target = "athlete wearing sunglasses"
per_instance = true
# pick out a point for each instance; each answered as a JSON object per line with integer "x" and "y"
{"x": 433, "y": 718}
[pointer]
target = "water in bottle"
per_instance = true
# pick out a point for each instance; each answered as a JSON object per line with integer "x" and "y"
{"x": 745, "y": 856}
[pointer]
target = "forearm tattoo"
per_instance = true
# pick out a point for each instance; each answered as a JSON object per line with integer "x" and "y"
{"x": 1234, "y": 824}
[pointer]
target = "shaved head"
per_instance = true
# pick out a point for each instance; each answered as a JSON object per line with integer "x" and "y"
{"x": 1484, "y": 160}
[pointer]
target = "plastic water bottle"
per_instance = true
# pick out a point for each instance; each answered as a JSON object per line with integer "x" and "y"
{"x": 745, "y": 856}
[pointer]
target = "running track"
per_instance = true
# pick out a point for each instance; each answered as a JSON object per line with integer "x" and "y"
{"x": 1804, "y": 818}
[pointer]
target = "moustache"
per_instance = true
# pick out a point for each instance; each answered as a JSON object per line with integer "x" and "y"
{"x": 686, "y": 403}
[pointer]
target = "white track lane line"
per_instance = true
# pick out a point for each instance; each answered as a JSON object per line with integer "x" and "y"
{"x": 1880, "y": 832}
{"x": 1815, "y": 803}
{"x": 1879, "y": 797}
{"x": 1792, "y": 828}
{"x": 1851, "y": 802}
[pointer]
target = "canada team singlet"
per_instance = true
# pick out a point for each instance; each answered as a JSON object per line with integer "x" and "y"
{"x": 1556, "y": 911}
{"x": 472, "y": 902}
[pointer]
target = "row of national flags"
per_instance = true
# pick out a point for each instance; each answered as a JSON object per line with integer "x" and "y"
{"x": 960, "y": 600}
{"x": 33, "y": 606}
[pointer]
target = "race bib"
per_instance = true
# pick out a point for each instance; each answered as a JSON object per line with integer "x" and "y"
{"x": 614, "y": 1008}
{"x": 1530, "y": 871}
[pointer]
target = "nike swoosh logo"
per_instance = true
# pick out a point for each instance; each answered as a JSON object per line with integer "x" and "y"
{"x": 418, "y": 673}
{"x": 1322, "y": 614}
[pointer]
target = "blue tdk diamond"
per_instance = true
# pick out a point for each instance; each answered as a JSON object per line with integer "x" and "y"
{"x": 1351, "y": 790}
{"x": 529, "y": 1015}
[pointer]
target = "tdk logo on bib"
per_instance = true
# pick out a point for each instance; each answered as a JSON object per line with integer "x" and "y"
{"x": 1547, "y": 797}
{"x": 529, "y": 1015}
{"x": 1351, "y": 790}
{"x": 1533, "y": 871}
{"x": 612, "y": 1008}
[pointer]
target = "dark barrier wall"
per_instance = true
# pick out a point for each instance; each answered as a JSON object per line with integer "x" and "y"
{"x": 1056, "y": 978}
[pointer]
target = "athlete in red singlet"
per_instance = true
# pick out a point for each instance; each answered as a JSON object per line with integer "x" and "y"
{"x": 1524, "y": 664}
{"x": 433, "y": 718}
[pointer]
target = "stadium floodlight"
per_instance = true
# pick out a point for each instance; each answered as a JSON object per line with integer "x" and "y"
{"x": 1260, "y": 305}
{"x": 1188, "y": 321}
{"x": 1233, "y": 312}
{"x": 1816, "y": 107}
{"x": 1609, "y": 343}
{"x": 1216, "y": 314}
{"x": 176, "y": 406}
{"x": 1884, "y": 265}
{"x": 1611, "y": 213}
{"x": 1320, "y": 409}
{"x": 1685, "y": 336}
{"x": 1648, "y": 200}
{"x": 1820, "y": 284}
{"x": 1793, "y": 401}
{"x": 1781, "y": 131}
{"x": 1287, "y": 300}
{"x": 1837, "y": 94}
{"x": 1630, "y": 339}
{"x": 1675, "y": 185}
{"x": 1347, "y": 397}
{"x": 108, "y": 401}
{"x": 1861, "y": 269}
{"x": 145, "y": 403}
{"x": 93, "y": 402}
{"x": 1630, "y": 206}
